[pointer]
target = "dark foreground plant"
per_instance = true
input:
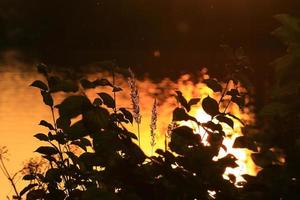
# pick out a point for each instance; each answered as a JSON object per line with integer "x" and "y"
{"x": 91, "y": 155}
{"x": 277, "y": 134}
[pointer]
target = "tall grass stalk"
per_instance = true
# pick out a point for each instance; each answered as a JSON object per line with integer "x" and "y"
{"x": 153, "y": 126}
{"x": 134, "y": 94}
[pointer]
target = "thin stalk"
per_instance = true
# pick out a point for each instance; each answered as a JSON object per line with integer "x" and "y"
{"x": 227, "y": 106}
{"x": 6, "y": 173}
{"x": 139, "y": 136}
{"x": 166, "y": 142}
{"x": 224, "y": 92}
{"x": 114, "y": 93}
{"x": 55, "y": 125}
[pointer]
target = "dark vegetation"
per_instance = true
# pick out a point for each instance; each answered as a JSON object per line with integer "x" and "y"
{"x": 108, "y": 163}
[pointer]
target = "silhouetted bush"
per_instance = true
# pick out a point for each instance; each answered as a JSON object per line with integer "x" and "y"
{"x": 110, "y": 165}
{"x": 277, "y": 134}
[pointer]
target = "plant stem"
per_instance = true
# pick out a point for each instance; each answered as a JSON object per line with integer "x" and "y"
{"x": 227, "y": 106}
{"x": 6, "y": 173}
{"x": 55, "y": 125}
{"x": 139, "y": 136}
{"x": 224, "y": 92}
{"x": 166, "y": 142}
{"x": 114, "y": 93}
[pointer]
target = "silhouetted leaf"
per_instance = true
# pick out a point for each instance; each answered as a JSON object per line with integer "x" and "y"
{"x": 215, "y": 140}
{"x": 117, "y": 89}
{"x": 244, "y": 142}
{"x": 28, "y": 177}
{"x": 179, "y": 114}
{"x": 79, "y": 144}
{"x": 82, "y": 143}
{"x": 97, "y": 102}
{"x": 127, "y": 114}
{"x": 232, "y": 178}
{"x": 89, "y": 159}
{"x": 107, "y": 100}
{"x": 39, "y": 84}
{"x": 73, "y": 157}
{"x": 46, "y": 124}
{"x": 193, "y": 101}
{"x": 60, "y": 137}
{"x": 235, "y": 117}
{"x": 102, "y": 82}
{"x": 226, "y": 120}
{"x": 96, "y": 119}
{"x": 46, "y": 150}
{"x": 180, "y": 98}
{"x": 240, "y": 101}
{"x": 119, "y": 117}
{"x": 210, "y": 106}
{"x": 76, "y": 131}
{"x": 228, "y": 161}
{"x": 131, "y": 135}
{"x": 85, "y": 141}
{"x": 182, "y": 138}
{"x": 73, "y": 106}
{"x": 53, "y": 174}
{"x": 63, "y": 122}
{"x": 213, "y": 126}
{"x": 213, "y": 84}
{"x": 248, "y": 177}
{"x": 36, "y": 194}
{"x": 27, "y": 188}
{"x": 41, "y": 137}
{"x": 49, "y": 158}
{"x": 135, "y": 153}
{"x": 43, "y": 69}
{"x": 47, "y": 98}
{"x": 86, "y": 84}
{"x": 160, "y": 152}
{"x": 56, "y": 84}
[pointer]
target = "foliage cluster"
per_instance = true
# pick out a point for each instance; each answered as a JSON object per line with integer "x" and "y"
{"x": 277, "y": 134}
{"x": 110, "y": 165}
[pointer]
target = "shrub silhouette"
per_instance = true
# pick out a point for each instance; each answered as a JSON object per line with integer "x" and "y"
{"x": 110, "y": 165}
{"x": 277, "y": 133}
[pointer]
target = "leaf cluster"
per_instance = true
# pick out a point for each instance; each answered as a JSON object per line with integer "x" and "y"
{"x": 107, "y": 162}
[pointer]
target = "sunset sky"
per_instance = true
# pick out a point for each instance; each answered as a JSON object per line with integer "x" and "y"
{"x": 162, "y": 41}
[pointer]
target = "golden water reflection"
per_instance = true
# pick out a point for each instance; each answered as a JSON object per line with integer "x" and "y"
{"x": 21, "y": 109}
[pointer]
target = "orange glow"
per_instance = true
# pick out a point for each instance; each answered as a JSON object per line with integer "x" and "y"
{"x": 245, "y": 163}
{"x": 166, "y": 104}
{"x": 19, "y": 137}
